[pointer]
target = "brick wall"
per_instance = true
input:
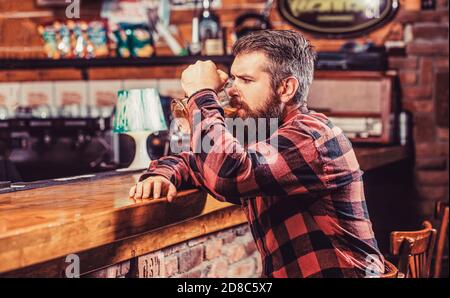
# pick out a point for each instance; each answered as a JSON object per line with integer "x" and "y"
{"x": 228, "y": 253}
{"x": 424, "y": 81}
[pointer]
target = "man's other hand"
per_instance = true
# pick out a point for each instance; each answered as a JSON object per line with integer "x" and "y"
{"x": 202, "y": 75}
{"x": 154, "y": 187}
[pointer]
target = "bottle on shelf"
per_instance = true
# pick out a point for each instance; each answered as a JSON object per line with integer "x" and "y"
{"x": 210, "y": 31}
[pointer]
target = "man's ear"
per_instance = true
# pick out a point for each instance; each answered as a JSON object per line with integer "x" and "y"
{"x": 288, "y": 89}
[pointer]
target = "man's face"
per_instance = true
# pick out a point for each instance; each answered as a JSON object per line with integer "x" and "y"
{"x": 251, "y": 91}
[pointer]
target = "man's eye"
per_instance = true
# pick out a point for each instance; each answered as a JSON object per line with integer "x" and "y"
{"x": 246, "y": 81}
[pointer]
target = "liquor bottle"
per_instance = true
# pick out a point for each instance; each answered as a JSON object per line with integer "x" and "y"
{"x": 210, "y": 32}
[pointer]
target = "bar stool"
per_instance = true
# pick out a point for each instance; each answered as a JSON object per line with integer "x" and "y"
{"x": 442, "y": 215}
{"x": 414, "y": 249}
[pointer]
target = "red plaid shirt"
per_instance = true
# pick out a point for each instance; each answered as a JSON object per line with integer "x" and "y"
{"x": 304, "y": 201}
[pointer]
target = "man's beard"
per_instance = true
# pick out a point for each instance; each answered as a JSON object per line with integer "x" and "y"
{"x": 271, "y": 112}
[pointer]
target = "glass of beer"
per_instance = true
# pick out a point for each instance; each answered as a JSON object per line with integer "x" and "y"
{"x": 224, "y": 100}
{"x": 179, "y": 106}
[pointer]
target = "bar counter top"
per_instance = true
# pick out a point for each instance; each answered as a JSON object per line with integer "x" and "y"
{"x": 99, "y": 222}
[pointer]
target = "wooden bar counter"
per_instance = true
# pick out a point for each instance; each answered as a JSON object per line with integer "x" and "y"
{"x": 96, "y": 220}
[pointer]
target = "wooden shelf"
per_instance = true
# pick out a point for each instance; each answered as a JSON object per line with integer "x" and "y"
{"x": 14, "y": 64}
{"x": 11, "y": 64}
{"x": 168, "y": 67}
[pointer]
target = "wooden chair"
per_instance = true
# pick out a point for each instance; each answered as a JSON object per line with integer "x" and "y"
{"x": 414, "y": 249}
{"x": 390, "y": 271}
{"x": 442, "y": 215}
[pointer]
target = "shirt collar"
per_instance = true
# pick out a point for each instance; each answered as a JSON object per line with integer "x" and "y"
{"x": 293, "y": 113}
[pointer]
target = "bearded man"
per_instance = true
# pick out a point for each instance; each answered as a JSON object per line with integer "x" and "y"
{"x": 303, "y": 194}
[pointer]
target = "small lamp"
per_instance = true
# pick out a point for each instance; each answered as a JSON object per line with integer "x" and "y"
{"x": 138, "y": 114}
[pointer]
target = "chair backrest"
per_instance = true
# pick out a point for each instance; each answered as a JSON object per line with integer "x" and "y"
{"x": 442, "y": 216}
{"x": 390, "y": 271}
{"x": 415, "y": 249}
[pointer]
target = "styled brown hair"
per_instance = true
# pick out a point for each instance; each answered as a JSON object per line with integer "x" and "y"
{"x": 289, "y": 53}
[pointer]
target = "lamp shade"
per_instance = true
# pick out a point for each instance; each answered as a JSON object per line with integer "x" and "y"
{"x": 139, "y": 110}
